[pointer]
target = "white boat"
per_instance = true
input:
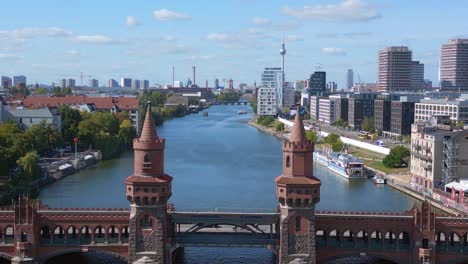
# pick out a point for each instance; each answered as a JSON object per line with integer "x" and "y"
{"x": 377, "y": 179}
{"x": 242, "y": 112}
{"x": 345, "y": 165}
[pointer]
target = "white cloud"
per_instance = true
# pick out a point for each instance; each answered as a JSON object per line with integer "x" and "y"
{"x": 28, "y": 33}
{"x": 9, "y": 57}
{"x": 346, "y": 11}
{"x": 223, "y": 37}
{"x": 96, "y": 39}
{"x": 333, "y": 51}
{"x": 166, "y": 15}
{"x": 261, "y": 21}
{"x": 132, "y": 21}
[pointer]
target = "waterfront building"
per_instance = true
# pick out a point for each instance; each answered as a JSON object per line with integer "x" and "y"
{"x": 6, "y": 82}
{"x": 382, "y": 114}
{"x": 349, "y": 79}
{"x": 125, "y": 82}
{"x": 112, "y": 83}
{"x": 273, "y": 77}
{"x": 267, "y": 101}
{"x": 110, "y": 104}
{"x": 70, "y": 83}
{"x": 314, "y": 108}
{"x": 359, "y": 107}
{"x": 439, "y": 151}
{"x": 317, "y": 83}
{"x": 18, "y": 80}
{"x": 26, "y": 118}
{"x": 457, "y": 110}
{"x": 454, "y": 65}
{"x": 93, "y": 83}
{"x": 395, "y": 69}
{"x": 327, "y": 110}
{"x": 417, "y": 76}
{"x": 402, "y": 116}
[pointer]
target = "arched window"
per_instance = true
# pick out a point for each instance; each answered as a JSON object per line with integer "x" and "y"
{"x": 146, "y": 222}
{"x": 298, "y": 223}
{"x": 147, "y": 162}
{"x": 288, "y": 161}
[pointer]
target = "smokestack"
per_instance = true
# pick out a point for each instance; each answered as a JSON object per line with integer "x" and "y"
{"x": 193, "y": 67}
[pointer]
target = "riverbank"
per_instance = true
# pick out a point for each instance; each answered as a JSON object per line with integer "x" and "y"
{"x": 271, "y": 131}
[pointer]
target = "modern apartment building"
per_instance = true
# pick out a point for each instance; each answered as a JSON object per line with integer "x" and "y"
{"x": 454, "y": 65}
{"x": 382, "y": 114}
{"x": 272, "y": 77}
{"x": 112, "y": 83}
{"x": 70, "y": 83}
{"x": 395, "y": 69}
{"x": 359, "y": 107}
{"x": 417, "y": 76}
{"x": 314, "y": 108}
{"x": 327, "y": 110}
{"x": 457, "y": 110}
{"x": 402, "y": 116}
{"x": 318, "y": 83}
{"x": 136, "y": 84}
{"x": 439, "y": 154}
{"x": 341, "y": 108}
{"x": 146, "y": 84}
{"x": 267, "y": 101}
{"x": 5, "y": 82}
{"x": 93, "y": 83}
{"x": 19, "y": 79}
{"x": 125, "y": 82}
{"x": 288, "y": 96}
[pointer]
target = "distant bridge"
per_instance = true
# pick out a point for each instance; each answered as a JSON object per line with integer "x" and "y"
{"x": 230, "y": 103}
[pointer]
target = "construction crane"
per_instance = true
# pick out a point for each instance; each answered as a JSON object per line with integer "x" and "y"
{"x": 81, "y": 75}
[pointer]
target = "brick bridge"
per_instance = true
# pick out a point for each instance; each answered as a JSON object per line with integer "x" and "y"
{"x": 153, "y": 231}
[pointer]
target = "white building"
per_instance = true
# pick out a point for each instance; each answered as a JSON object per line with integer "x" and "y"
{"x": 326, "y": 110}
{"x": 305, "y": 99}
{"x": 136, "y": 84}
{"x": 457, "y": 110}
{"x": 26, "y": 118}
{"x": 314, "y": 108}
{"x": 439, "y": 152}
{"x": 267, "y": 101}
{"x": 272, "y": 77}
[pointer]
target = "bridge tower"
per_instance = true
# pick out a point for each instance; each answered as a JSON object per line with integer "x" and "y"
{"x": 24, "y": 231}
{"x": 298, "y": 191}
{"x": 148, "y": 190}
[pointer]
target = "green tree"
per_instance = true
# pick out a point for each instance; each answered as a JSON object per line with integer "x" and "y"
{"x": 311, "y": 136}
{"x": 279, "y": 127}
{"x": 379, "y": 132}
{"x": 29, "y": 165}
{"x": 368, "y": 124}
{"x": 70, "y": 120}
{"x": 397, "y": 157}
{"x": 337, "y": 146}
{"x": 13, "y": 145}
{"x": 41, "y": 90}
{"x": 44, "y": 137}
{"x": 331, "y": 138}
{"x": 127, "y": 133}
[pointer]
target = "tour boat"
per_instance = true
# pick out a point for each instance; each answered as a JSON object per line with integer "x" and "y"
{"x": 242, "y": 112}
{"x": 378, "y": 179}
{"x": 89, "y": 159}
{"x": 344, "y": 164}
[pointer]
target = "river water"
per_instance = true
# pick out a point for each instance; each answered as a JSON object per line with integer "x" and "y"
{"x": 218, "y": 162}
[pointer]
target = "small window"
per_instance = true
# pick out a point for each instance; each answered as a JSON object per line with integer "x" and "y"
{"x": 288, "y": 161}
{"x": 298, "y": 223}
{"x": 147, "y": 162}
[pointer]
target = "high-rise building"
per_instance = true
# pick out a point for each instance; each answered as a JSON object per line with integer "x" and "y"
{"x": 454, "y": 65}
{"x": 267, "y": 101}
{"x": 395, "y": 69}
{"x": 273, "y": 77}
{"x": 125, "y": 82}
{"x": 145, "y": 84}
{"x": 70, "y": 83}
{"x": 216, "y": 84}
{"x": 314, "y": 108}
{"x": 6, "y": 82}
{"x": 349, "y": 79}
{"x": 317, "y": 83}
{"x": 112, "y": 83}
{"x": 19, "y": 79}
{"x": 402, "y": 116}
{"x": 382, "y": 114}
{"x": 332, "y": 87}
{"x": 93, "y": 83}
{"x": 63, "y": 83}
{"x": 327, "y": 110}
{"x": 417, "y": 76}
{"x": 136, "y": 84}
{"x": 288, "y": 95}
{"x": 341, "y": 108}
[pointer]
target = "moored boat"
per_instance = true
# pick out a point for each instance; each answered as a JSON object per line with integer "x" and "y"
{"x": 344, "y": 164}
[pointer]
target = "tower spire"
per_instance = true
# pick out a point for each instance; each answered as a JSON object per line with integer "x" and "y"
{"x": 298, "y": 132}
{"x": 148, "y": 132}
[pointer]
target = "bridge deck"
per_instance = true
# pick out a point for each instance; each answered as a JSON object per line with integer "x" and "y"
{"x": 224, "y": 218}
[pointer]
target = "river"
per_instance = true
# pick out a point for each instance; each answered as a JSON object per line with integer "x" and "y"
{"x": 218, "y": 162}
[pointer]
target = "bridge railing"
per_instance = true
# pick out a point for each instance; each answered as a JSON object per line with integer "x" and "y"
{"x": 227, "y": 210}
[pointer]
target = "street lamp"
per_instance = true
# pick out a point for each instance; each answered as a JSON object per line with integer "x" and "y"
{"x": 76, "y": 143}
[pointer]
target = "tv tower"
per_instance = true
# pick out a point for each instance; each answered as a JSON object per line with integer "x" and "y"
{"x": 283, "y": 52}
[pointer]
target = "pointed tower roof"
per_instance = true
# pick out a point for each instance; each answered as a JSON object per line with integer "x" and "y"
{"x": 148, "y": 132}
{"x": 298, "y": 132}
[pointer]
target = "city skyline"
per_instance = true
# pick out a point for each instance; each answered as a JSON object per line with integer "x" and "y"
{"x": 144, "y": 40}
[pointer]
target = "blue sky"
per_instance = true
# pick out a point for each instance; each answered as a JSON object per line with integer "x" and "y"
{"x": 51, "y": 39}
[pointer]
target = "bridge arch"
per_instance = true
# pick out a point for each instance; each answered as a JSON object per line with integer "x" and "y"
{"x": 199, "y": 227}
{"x": 43, "y": 259}
{"x": 5, "y": 256}
{"x": 346, "y": 255}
